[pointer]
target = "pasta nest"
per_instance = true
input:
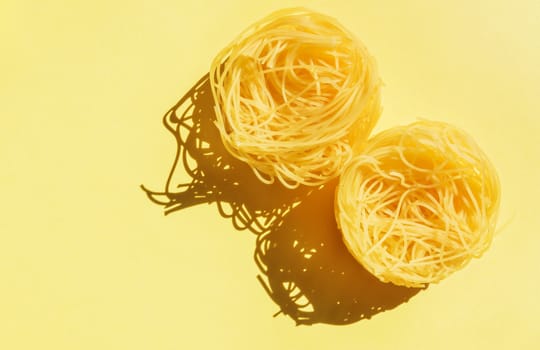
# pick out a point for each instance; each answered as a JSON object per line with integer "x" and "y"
{"x": 293, "y": 93}
{"x": 418, "y": 204}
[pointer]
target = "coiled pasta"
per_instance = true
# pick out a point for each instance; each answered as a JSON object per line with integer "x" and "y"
{"x": 292, "y": 93}
{"x": 418, "y": 203}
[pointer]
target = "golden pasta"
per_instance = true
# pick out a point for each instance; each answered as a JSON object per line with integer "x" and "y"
{"x": 418, "y": 203}
{"x": 292, "y": 93}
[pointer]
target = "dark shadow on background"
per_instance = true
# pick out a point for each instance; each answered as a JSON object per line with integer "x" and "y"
{"x": 305, "y": 268}
{"x": 308, "y": 271}
{"x": 214, "y": 176}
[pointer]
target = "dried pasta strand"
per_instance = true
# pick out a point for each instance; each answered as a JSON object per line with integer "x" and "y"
{"x": 293, "y": 92}
{"x": 418, "y": 203}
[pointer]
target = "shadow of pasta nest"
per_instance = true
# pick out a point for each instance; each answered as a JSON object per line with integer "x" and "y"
{"x": 304, "y": 266}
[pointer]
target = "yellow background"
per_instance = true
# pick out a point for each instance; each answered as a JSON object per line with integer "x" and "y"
{"x": 88, "y": 262}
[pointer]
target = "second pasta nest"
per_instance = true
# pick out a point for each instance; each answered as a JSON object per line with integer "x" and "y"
{"x": 418, "y": 203}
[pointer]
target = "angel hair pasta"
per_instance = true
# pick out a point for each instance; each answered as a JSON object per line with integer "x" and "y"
{"x": 418, "y": 203}
{"x": 292, "y": 92}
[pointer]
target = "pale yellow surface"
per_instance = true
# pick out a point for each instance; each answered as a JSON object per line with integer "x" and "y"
{"x": 88, "y": 262}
